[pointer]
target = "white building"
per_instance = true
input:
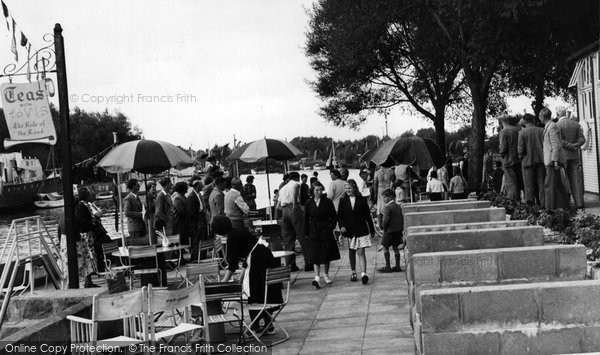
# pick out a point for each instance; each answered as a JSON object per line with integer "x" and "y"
{"x": 586, "y": 79}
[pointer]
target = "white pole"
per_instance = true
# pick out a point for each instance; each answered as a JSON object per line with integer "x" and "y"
{"x": 120, "y": 208}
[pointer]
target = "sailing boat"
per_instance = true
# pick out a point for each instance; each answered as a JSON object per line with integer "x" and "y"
{"x": 332, "y": 159}
{"x": 52, "y": 199}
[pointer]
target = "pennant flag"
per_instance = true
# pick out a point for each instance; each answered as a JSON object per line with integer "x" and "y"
{"x": 28, "y": 63}
{"x": 5, "y": 11}
{"x": 13, "y": 46}
{"x": 23, "y": 40}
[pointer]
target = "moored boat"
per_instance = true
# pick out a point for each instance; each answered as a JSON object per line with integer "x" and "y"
{"x": 49, "y": 200}
{"x": 20, "y": 179}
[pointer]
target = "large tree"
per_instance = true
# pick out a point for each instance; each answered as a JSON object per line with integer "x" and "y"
{"x": 481, "y": 33}
{"x": 371, "y": 55}
{"x": 555, "y": 30}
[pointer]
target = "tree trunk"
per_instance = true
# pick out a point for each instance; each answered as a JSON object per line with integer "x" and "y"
{"x": 477, "y": 138}
{"x": 538, "y": 104}
{"x": 440, "y": 130}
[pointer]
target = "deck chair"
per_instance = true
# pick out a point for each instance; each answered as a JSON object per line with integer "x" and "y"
{"x": 131, "y": 307}
{"x": 144, "y": 252}
{"x": 110, "y": 261}
{"x": 217, "y": 292}
{"x": 174, "y": 301}
{"x": 275, "y": 275}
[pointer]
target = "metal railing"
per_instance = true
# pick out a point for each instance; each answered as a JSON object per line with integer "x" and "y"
{"x": 28, "y": 240}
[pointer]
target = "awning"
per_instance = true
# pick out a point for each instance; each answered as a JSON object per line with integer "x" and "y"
{"x": 576, "y": 72}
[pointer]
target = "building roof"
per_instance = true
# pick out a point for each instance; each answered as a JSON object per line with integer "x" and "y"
{"x": 584, "y": 51}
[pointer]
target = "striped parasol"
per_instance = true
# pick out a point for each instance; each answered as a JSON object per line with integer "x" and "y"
{"x": 263, "y": 149}
{"x": 146, "y": 157}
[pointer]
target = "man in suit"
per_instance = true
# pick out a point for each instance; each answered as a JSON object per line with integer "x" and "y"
{"x": 508, "y": 137}
{"x": 196, "y": 218}
{"x": 164, "y": 207}
{"x": 134, "y": 210}
{"x": 216, "y": 200}
{"x": 531, "y": 153}
{"x": 555, "y": 193}
{"x": 572, "y": 139}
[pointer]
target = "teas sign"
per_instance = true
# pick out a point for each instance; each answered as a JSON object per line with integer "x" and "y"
{"x": 27, "y": 112}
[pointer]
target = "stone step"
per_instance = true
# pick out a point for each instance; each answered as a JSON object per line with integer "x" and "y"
{"x": 457, "y": 216}
{"x": 524, "y": 340}
{"x": 542, "y": 263}
{"x": 9, "y": 328}
{"x": 422, "y": 203}
{"x": 504, "y": 307}
{"x": 494, "y": 266}
{"x": 460, "y": 226}
{"x": 46, "y": 303}
{"x": 445, "y": 206}
{"x": 474, "y": 239}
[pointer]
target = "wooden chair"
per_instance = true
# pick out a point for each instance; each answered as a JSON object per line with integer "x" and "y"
{"x": 177, "y": 301}
{"x": 217, "y": 292}
{"x": 148, "y": 253}
{"x": 131, "y": 307}
{"x": 109, "y": 259}
{"x": 275, "y": 275}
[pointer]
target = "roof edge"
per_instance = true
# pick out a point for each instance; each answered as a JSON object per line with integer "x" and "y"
{"x": 582, "y": 52}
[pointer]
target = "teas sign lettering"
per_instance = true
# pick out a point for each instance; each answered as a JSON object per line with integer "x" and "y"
{"x": 27, "y": 112}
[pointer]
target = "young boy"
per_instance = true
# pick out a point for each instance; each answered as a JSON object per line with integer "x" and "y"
{"x": 497, "y": 176}
{"x": 393, "y": 226}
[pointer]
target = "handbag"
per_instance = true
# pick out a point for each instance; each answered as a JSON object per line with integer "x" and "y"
{"x": 117, "y": 283}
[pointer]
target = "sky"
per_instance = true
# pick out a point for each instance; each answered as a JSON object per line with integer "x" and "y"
{"x": 193, "y": 73}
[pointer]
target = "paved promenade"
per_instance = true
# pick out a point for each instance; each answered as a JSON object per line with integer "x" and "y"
{"x": 348, "y": 317}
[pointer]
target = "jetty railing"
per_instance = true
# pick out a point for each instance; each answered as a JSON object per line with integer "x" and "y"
{"x": 28, "y": 240}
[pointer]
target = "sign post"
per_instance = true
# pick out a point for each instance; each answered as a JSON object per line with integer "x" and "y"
{"x": 67, "y": 179}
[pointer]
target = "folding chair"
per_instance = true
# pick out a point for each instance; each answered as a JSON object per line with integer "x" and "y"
{"x": 220, "y": 252}
{"x": 208, "y": 269}
{"x": 173, "y": 301}
{"x": 139, "y": 241}
{"x": 217, "y": 292}
{"x": 107, "y": 250}
{"x": 144, "y": 252}
{"x": 206, "y": 247}
{"x": 275, "y": 275}
{"x": 174, "y": 263}
{"x": 131, "y": 307}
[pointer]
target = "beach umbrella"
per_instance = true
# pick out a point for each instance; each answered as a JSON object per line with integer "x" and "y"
{"x": 413, "y": 150}
{"x": 263, "y": 150}
{"x": 144, "y": 156}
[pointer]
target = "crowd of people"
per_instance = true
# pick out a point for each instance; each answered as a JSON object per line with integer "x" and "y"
{"x": 541, "y": 161}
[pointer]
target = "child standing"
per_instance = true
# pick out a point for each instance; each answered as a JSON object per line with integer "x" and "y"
{"x": 393, "y": 226}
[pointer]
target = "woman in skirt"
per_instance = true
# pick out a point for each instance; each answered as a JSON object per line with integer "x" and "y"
{"x": 356, "y": 224}
{"x": 319, "y": 221}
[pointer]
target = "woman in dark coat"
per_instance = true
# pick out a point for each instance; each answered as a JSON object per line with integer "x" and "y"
{"x": 356, "y": 224}
{"x": 239, "y": 244}
{"x": 319, "y": 220}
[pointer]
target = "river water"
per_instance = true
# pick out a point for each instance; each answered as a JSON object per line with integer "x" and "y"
{"x": 51, "y": 216}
